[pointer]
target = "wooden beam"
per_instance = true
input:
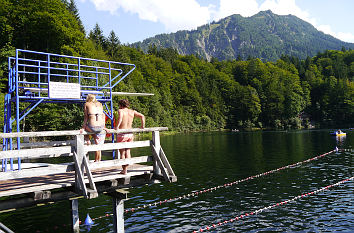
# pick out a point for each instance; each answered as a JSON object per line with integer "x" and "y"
{"x": 120, "y": 162}
{"x": 156, "y": 143}
{"x": 45, "y": 144}
{"x": 79, "y": 177}
{"x": 76, "y": 132}
{"x": 116, "y": 146}
{"x": 173, "y": 177}
{"x": 160, "y": 163}
{"x": 89, "y": 176}
{"x": 36, "y": 152}
{"x": 52, "y": 169}
{"x": 41, "y": 171}
{"x": 41, "y": 195}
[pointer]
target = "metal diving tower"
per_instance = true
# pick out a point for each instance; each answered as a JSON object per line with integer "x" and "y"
{"x": 37, "y": 77}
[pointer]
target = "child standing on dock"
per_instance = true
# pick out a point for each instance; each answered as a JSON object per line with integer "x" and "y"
{"x": 125, "y": 121}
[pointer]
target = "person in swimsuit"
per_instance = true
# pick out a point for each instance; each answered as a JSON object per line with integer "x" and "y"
{"x": 125, "y": 121}
{"x": 94, "y": 121}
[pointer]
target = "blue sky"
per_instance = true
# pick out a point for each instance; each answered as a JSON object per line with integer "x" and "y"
{"x": 136, "y": 20}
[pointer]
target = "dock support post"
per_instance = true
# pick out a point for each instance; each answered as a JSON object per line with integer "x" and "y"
{"x": 118, "y": 198}
{"x": 75, "y": 215}
{"x": 156, "y": 143}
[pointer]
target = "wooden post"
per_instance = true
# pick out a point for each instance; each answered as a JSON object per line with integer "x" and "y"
{"x": 118, "y": 198}
{"x": 79, "y": 147}
{"x": 75, "y": 215}
{"x": 156, "y": 143}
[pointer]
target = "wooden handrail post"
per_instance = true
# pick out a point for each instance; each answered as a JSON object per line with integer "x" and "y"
{"x": 156, "y": 143}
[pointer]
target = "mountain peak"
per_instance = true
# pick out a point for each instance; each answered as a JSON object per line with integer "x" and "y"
{"x": 264, "y": 35}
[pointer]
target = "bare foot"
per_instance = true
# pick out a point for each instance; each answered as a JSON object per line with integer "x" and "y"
{"x": 123, "y": 172}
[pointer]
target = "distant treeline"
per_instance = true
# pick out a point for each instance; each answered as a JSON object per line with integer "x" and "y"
{"x": 190, "y": 92}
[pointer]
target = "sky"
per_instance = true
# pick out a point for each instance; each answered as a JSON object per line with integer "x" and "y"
{"x": 136, "y": 20}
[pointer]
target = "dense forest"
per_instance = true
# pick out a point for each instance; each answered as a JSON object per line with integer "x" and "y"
{"x": 191, "y": 93}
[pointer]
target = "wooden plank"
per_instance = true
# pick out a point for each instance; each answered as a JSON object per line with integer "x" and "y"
{"x": 156, "y": 143}
{"x": 120, "y": 162}
{"x": 89, "y": 174}
{"x": 46, "y": 185}
{"x": 76, "y": 132}
{"x": 56, "y": 181}
{"x": 167, "y": 165}
{"x": 41, "y": 195}
{"x": 114, "y": 174}
{"x": 35, "y": 153}
{"x": 115, "y": 146}
{"x": 160, "y": 164}
{"x": 80, "y": 176}
{"x": 52, "y": 169}
{"x": 45, "y": 144}
{"x": 40, "y": 134}
{"x": 42, "y": 171}
{"x": 21, "y": 202}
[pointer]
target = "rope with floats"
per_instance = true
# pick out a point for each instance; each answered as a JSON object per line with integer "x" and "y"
{"x": 272, "y": 206}
{"x": 196, "y": 193}
{"x": 90, "y": 221}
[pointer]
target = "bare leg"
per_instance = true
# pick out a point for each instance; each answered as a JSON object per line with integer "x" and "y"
{"x": 97, "y": 156}
{"x": 97, "y": 153}
{"x": 124, "y": 155}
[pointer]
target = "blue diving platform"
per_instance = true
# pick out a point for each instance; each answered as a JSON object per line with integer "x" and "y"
{"x": 37, "y": 77}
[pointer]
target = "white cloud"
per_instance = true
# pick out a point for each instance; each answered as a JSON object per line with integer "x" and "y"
{"x": 347, "y": 37}
{"x": 344, "y": 36}
{"x": 245, "y": 8}
{"x": 175, "y": 15}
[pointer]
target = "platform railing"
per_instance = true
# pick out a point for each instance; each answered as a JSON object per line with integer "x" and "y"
{"x": 31, "y": 72}
{"x": 79, "y": 151}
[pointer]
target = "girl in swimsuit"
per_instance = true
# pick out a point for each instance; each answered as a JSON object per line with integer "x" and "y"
{"x": 94, "y": 121}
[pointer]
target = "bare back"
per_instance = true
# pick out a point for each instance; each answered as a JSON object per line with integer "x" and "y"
{"x": 94, "y": 114}
{"x": 126, "y": 117}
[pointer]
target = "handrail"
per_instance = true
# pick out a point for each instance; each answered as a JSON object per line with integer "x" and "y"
{"x": 79, "y": 151}
{"x": 76, "y": 132}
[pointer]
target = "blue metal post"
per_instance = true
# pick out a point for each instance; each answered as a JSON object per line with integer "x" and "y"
{"x": 17, "y": 114}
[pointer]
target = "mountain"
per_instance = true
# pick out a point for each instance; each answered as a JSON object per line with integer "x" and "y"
{"x": 265, "y": 35}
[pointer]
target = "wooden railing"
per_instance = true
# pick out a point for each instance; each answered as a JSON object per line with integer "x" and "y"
{"x": 79, "y": 151}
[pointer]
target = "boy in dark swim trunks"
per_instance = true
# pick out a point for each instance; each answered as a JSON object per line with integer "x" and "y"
{"x": 94, "y": 121}
{"x": 125, "y": 121}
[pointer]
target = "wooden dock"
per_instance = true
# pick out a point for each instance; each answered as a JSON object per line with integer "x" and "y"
{"x": 39, "y": 183}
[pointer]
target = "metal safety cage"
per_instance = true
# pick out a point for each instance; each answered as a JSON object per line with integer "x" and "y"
{"x": 31, "y": 75}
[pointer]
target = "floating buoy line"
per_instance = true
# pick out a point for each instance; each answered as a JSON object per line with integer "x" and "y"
{"x": 242, "y": 216}
{"x": 90, "y": 221}
{"x": 196, "y": 193}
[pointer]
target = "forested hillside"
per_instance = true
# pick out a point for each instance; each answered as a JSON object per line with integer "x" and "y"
{"x": 191, "y": 93}
{"x": 265, "y": 35}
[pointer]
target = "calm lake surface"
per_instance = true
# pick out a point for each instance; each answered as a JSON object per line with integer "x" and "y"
{"x": 207, "y": 160}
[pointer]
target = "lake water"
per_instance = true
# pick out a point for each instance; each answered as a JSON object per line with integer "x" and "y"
{"x": 207, "y": 160}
